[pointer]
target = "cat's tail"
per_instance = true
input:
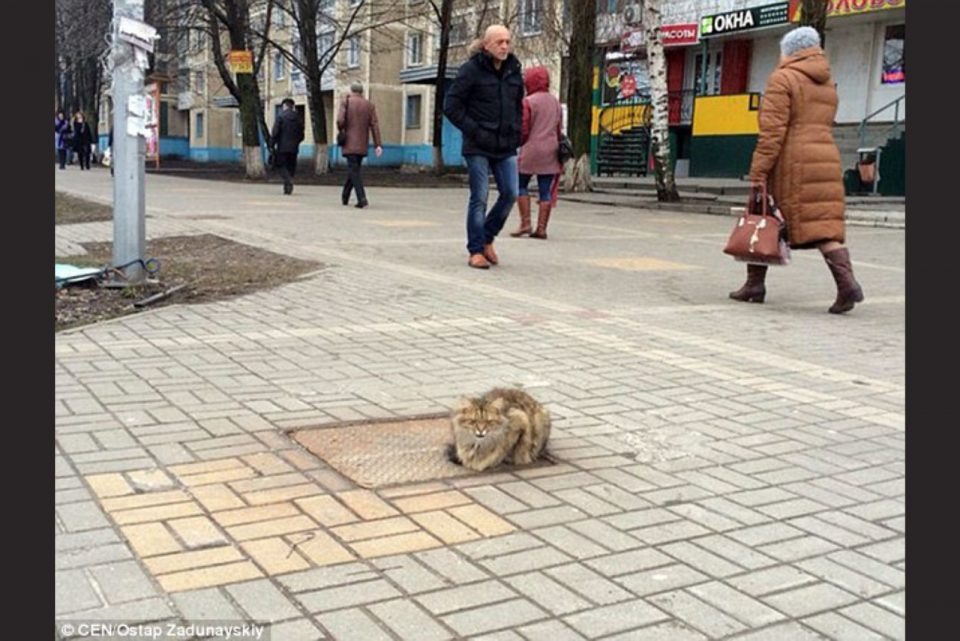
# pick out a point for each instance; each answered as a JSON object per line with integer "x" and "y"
{"x": 452, "y": 454}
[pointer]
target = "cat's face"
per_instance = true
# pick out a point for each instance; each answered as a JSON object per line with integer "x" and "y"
{"x": 478, "y": 419}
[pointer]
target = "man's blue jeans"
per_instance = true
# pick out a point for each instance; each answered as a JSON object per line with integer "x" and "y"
{"x": 483, "y": 227}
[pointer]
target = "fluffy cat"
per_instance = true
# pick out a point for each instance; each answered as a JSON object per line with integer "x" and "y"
{"x": 502, "y": 426}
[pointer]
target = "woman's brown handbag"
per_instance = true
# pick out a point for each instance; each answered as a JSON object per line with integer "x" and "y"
{"x": 759, "y": 237}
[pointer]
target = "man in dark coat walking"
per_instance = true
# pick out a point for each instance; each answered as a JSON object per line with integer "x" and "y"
{"x": 485, "y": 102}
{"x": 287, "y": 134}
{"x": 358, "y": 121}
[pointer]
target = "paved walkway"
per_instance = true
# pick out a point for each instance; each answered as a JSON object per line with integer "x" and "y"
{"x": 725, "y": 471}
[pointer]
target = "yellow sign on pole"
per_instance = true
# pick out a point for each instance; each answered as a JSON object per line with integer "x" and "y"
{"x": 240, "y": 61}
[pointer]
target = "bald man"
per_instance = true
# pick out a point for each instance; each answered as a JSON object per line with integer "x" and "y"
{"x": 485, "y": 102}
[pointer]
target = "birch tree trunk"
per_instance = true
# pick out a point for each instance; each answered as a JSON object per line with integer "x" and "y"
{"x": 660, "y": 99}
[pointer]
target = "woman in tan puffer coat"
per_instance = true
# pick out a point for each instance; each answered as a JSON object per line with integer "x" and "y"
{"x": 797, "y": 158}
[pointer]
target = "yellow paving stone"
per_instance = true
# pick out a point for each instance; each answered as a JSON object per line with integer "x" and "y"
{"x": 223, "y": 476}
{"x": 275, "y": 555}
{"x": 282, "y": 494}
{"x": 445, "y": 527}
{"x": 267, "y": 463}
{"x": 399, "y": 544}
{"x": 254, "y": 514}
{"x": 219, "y": 465}
{"x": 157, "y": 513}
{"x": 410, "y": 490}
{"x": 429, "y": 502}
{"x": 144, "y": 500}
{"x": 197, "y": 532}
{"x": 150, "y": 539}
{"x": 151, "y": 479}
{"x": 321, "y": 548}
{"x": 372, "y": 529}
{"x": 192, "y": 560}
{"x": 482, "y": 520}
{"x": 326, "y": 510}
{"x": 639, "y": 264}
{"x": 107, "y": 485}
{"x": 367, "y": 504}
{"x": 209, "y": 577}
{"x": 268, "y": 482}
{"x": 217, "y": 497}
{"x": 271, "y": 528}
{"x": 300, "y": 460}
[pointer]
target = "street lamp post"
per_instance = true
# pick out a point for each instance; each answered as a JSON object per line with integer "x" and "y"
{"x": 129, "y": 233}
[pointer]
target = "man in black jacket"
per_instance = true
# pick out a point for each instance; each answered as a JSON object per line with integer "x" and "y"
{"x": 485, "y": 103}
{"x": 287, "y": 134}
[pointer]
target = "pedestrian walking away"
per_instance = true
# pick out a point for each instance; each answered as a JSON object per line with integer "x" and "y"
{"x": 485, "y": 103}
{"x": 357, "y": 121}
{"x": 540, "y": 141}
{"x": 798, "y": 159}
{"x": 64, "y": 135}
{"x": 287, "y": 134}
{"x": 82, "y": 140}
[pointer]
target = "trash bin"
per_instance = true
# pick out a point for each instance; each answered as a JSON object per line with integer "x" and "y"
{"x": 868, "y": 166}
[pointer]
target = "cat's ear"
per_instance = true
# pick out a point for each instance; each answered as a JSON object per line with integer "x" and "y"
{"x": 462, "y": 405}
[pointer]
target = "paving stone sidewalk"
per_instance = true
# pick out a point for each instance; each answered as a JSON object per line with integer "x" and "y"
{"x": 723, "y": 471}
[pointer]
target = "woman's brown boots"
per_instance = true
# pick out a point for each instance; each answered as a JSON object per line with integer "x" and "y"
{"x": 543, "y": 217}
{"x": 849, "y": 291}
{"x": 753, "y": 291}
{"x": 523, "y": 204}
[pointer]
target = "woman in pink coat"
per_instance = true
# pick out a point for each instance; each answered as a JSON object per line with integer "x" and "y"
{"x": 539, "y": 139}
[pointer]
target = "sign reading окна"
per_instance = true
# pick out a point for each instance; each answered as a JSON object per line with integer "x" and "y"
{"x": 744, "y": 19}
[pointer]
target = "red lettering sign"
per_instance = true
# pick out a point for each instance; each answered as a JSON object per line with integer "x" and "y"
{"x": 677, "y": 35}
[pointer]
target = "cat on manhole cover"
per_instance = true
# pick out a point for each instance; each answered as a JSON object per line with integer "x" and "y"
{"x": 501, "y": 426}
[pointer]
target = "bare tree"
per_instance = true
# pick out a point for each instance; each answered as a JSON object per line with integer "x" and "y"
{"x": 81, "y": 41}
{"x": 580, "y": 97}
{"x": 814, "y": 14}
{"x": 660, "y": 125}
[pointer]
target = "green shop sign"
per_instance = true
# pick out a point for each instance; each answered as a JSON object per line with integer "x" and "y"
{"x": 745, "y": 19}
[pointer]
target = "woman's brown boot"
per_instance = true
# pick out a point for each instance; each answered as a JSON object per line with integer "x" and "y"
{"x": 849, "y": 291}
{"x": 543, "y": 217}
{"x": 523, "y": 204}
{"x": 753, "y": 291}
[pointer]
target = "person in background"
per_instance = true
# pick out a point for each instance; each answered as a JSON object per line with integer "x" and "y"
{"x": 540, "y": 138}
{"x": 798, "y": 159}
{"x": 62, "y": 131}
{"x": 358, "y": 118}
{"x": 286, "y": 135}
{"x": 82, "y": 140}
{"x": 485, "y": 103}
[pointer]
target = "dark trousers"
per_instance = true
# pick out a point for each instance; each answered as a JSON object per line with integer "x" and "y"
{"x": 354, "y": 179}
{"x": 84, "y": 156}
{"x": 62, "y": 157}
{"x": 286, "y": 162}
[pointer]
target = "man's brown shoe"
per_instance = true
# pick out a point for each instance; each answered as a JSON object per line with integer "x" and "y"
{"x": 490, "y": 254}
{"x": 478, "y": 261}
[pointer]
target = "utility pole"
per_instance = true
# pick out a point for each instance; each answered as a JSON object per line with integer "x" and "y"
{"x": 129, "y": 233}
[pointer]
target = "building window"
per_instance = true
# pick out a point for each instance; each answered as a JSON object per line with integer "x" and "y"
{"x": 326, "y": 6}
{"x": 607, "y": 6}
{"x": 415, "y": 49}
{"x": 295, "y": 72}
{"x": 458, "y": 31}
{"x": 531, "y": 17}
{"x": 279, "y": 66}
{"x": 353, "y": 52}
{"x": 198, "y": 126}
{"x": 414, "y": 104}
{"x": 237, "y": 124}
{"x": 713, "y": 75}
{"x": 894, "y": 55}
{"x": 199, "y": 82}
{"x": 324, "y": 47}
